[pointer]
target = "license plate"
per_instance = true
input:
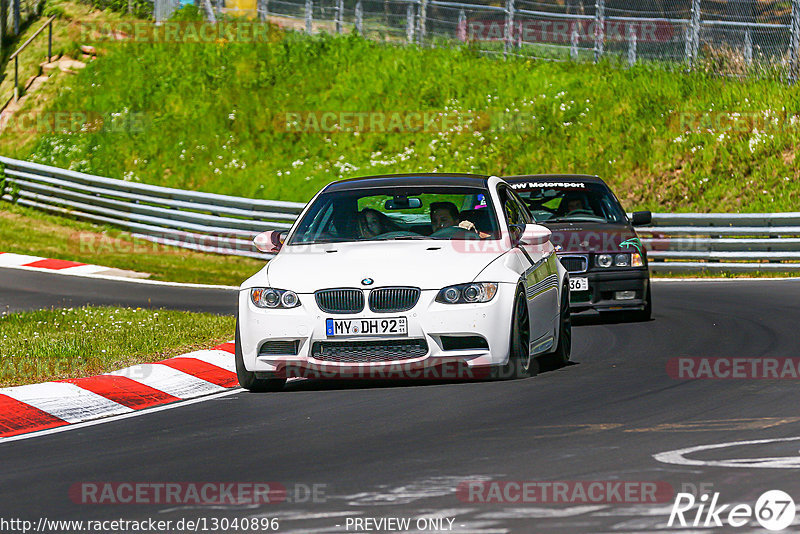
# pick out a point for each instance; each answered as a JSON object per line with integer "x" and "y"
{"x": 389, "y": 326}
{"x": 579, "y": 284}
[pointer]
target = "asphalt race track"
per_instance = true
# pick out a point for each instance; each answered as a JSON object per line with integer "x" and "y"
{"x": 30, "y": 290}
{"x": 400, "y": 449}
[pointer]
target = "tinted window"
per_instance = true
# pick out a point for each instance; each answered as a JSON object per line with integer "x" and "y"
{"x": 411, "y": 213}
{"x": 574, "y": 201}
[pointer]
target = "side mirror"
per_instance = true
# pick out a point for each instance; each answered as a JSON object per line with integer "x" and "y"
{"x": 641, "y": 218}
{"x": 534, "y": 234}
{"x": 271, "y": 241}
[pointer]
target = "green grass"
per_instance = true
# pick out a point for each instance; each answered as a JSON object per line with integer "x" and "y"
{"x": 214, "y": 118}
{"x": 27, "y": 231}
{"x": 57, "y": 344}
{"x": 66, "y": 40}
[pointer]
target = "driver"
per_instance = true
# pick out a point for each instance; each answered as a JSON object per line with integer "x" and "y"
{"x": 370, "y": 223}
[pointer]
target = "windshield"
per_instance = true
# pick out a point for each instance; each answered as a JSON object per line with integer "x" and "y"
{"x": 391, "y": 214}
{"x": 575, "y": 201}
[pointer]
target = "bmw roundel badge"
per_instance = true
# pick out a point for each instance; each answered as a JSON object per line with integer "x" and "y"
{"x": 367, "y": 281}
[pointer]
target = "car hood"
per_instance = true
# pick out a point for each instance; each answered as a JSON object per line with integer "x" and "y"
{"x": 423, "y": 264}
{"x": 593, "y": 237}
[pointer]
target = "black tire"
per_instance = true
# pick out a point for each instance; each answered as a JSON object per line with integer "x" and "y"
{"x": 647, "y": 313}
{"x": 248, "y": 379}
{"x": 520, "y": 364}
{"x": 560, "y": 356}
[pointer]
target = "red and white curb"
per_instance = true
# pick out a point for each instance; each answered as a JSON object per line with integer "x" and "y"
{"x": 35, "y": 407}
{"x": 36, "y": 263}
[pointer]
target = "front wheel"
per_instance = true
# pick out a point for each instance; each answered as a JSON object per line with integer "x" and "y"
{"x": 520, "y": 364}
{"x": 560, "y": 356}
{"x": 647, "y": 313}
{"x": 248, "y": 379}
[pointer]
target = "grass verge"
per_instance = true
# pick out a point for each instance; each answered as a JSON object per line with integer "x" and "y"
{"x": 27, "y": 231}
{"x": 56, "y": 344}
{"x": 249, "y": 121}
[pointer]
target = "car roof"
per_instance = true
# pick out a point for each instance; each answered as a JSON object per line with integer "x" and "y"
{"x": 588, "y": 178}
{"x": 406, "y": 180}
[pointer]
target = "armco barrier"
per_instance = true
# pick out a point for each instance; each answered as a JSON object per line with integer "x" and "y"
{"x": 189, "y": 219}
{"x": 680, "y": 242}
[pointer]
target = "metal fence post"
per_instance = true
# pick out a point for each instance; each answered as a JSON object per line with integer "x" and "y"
{"x": 309, "y": 15}
{"x": 261, "y": 8}
{"x": 574, "y": 39}
{"x": 423, "y": 21}
{"x": 694, "y": 47}
{"x": 631, "y": 45}
{"x": 359, "y": 18}
{"x": 794, "y": 43}
{"x": 461, "y": 29}
{"x": 599, "y": 28}
{"x": 748, "y": 47}
{"x": 410, "y": 22}
{"x": 209, "y": 9}
{"x": 509, "y": 27}
{"x": 339, "y": 16}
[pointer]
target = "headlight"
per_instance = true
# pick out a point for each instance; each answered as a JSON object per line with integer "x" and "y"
{"x": 604, "y": 260}
{"x": 622, "y": 260}
{"x": 467, "y": 293}
{"x": 636, "y": 260}
{"x": 267, "y": 297}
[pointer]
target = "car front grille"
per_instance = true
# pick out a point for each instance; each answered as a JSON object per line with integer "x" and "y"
{"x": 369, "y": 351}
{"x": 340, "y": 300}
{"x": 575, "y": 264}
{"x": 393, "y": 299}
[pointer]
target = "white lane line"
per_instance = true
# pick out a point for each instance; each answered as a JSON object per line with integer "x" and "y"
{"x": 113, "y": 418}
{"x": 65, "y": 401}
{"x": 169, "y": 380}
{"x": 722, "y": 280}
{"x": 679, "y": 456}
{"x": 121, "y": 278}
{"x": 220, "y": 358}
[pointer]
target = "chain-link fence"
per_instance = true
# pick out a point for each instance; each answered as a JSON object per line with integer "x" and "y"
{"x": 732, "y": 37}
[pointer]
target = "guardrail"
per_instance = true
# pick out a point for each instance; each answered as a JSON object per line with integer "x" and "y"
{"x": 740, "y": 242}
{"x": 190, "y": 219}
{"x": 678, "y": 242}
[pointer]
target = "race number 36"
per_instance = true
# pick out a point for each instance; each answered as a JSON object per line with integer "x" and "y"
{"x": 775, "y": 510}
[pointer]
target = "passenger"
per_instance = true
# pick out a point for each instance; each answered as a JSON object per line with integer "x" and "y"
{"x": 443, "y": 215}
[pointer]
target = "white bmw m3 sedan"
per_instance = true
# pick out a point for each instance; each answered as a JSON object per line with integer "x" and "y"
{"x": 392, "y": 276}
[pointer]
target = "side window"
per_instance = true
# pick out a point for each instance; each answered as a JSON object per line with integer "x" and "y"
{"x": 524, "y": 213}
{"x": 511, "y": 210}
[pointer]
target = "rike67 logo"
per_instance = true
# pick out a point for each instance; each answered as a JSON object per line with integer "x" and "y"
{"x": 774, "y": 510}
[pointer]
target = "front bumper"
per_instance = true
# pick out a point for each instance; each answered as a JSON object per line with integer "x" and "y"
{"x": 431, "y": 324}
{"x": 604, "y": 285}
